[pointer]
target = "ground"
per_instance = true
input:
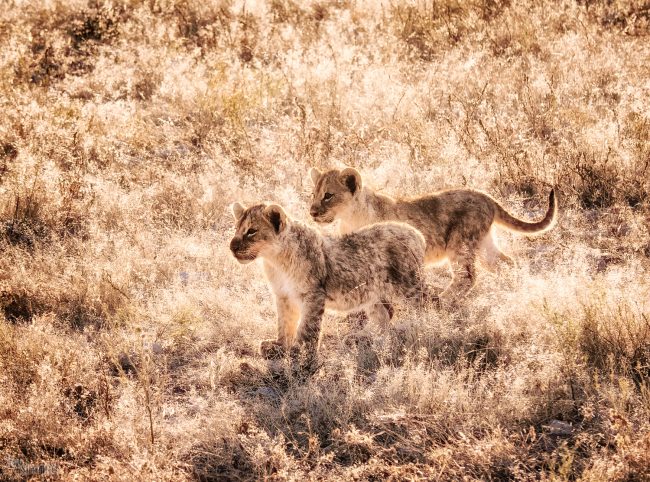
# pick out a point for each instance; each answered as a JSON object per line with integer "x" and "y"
{"x": 129, "y": 334}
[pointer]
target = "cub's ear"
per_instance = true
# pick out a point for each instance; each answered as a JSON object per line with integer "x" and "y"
{"x": 237, "y": 210}
{"x": 276, "y": 216}
{"x": 351, "y": 178}
{"x": 314, "y": 174}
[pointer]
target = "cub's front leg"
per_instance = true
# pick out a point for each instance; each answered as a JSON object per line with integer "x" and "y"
{"x": 288, "y": 314}
{"x": 313, "y": 307}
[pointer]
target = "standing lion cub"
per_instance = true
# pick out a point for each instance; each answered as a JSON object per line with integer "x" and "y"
{"x": 309, "y": 272}
{"x": 456, "y": 223}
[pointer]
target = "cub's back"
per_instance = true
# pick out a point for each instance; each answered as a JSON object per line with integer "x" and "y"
{"x": 445, "y": 204}
{"x": 375, "y": 245}
{"x": 392, "y": 233}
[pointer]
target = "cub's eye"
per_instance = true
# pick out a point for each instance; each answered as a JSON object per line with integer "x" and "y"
{"x": 328, "y": 196}
{"x": 250, "y": 233}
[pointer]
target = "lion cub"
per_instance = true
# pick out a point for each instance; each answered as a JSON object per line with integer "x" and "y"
{"x": 456, "y": 223}
{"x": 309, "y": 272}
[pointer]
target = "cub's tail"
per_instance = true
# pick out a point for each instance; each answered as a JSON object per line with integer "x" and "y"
{"x": 503, "y": 218}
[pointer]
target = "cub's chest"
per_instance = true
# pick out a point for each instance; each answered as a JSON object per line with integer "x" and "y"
{"x": 281, "y": 283}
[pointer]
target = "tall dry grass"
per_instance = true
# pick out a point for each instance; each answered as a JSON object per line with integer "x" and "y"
{"x": 128, "y": 333}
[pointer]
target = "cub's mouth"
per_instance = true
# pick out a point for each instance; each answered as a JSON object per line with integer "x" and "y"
{"x": 323, "y": 218}
{"x": 244, "y": 258}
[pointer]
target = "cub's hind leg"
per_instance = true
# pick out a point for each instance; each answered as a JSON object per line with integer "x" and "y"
{"x": 358, "y": 319}
{"x": 381, "y": 313}
{"x": 491, "y": 256}
{"x": 413, "y": 285}
{"x": 463, "y": 242}
{"x": 288, "y": 314}
{"x": 463, "y": 270}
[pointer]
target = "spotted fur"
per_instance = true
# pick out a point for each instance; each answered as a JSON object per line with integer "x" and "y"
{"x": 309, "y": 272}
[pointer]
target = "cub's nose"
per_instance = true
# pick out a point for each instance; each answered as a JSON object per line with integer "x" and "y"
{"x": 314, "y": 211}
{"x": 235, "y": 244}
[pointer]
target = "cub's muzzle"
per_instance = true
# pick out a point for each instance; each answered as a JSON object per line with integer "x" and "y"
{"x": 235, "y": 245}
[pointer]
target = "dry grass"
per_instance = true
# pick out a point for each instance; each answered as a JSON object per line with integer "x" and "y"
{"x": 128, "y": 333}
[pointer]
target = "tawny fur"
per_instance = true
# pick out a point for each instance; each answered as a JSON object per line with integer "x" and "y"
{"x": 309, "y": 272}
{"x": 457, "y": 224}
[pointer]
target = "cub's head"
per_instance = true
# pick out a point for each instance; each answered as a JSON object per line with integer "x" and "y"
{"x": 334, "y": 191}
{"x": 257, "y": 230}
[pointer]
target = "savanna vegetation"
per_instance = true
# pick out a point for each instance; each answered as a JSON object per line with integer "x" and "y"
{"x": 129, "y": 334}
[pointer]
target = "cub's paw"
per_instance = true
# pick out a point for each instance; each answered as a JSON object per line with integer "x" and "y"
{"x": 358, "y": 339}
{"x": 431, "y": 297}
{"x": 434, "y": 301}
{"x": 304, "y": 358}
{"x": 357, "y": 319}
{"x": 271, "y": 349}
{"x": 451, "y": 303}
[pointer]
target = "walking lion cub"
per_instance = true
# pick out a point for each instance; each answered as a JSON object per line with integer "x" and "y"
{"x": 309, "y": 272}
{"x": 456, "y": 223}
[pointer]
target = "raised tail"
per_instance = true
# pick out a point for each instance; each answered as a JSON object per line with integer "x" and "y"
{"x": 503, "y": 218}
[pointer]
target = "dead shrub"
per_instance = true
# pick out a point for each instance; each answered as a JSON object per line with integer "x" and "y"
{"x": 616, "y": 338}
{"x": 225, "y": 460}
{"x": 636, "y": 132}
{"x": 25, "y": 219}
{"x": 406, "y": 437}
{"x": 595, "y": 182}
{"x": 286, "y": 11}
{"x": 420, "y": 29}
{"x": 64, "y": 40}
{"x": 99, "y": 24}
{"x": 8, "y": 154}
{"x": 428, "y": 28}
{"x": 249, "y": 37}
{"x": 20, "y": 305}
{"x": 199, "y": 23}
{"x": 80, "y": 299}
{"x": 33, "y": 215}
{"x": 46, "y": 64}
{"x": 88, "y": 30}
{"x": 353, "y": 446}
{"x": 30, "y": 225}
{"x": 175, "y": 206}
{"x": 477, "y": 345}
{"x": 52, "y": 381}
{"x": 82, "y": 401}
{"x": 631, "y": 17}
{"x": 146, "y": 84}
{"x": 601, "y": 183}
{"x": 307, "y": 20}
{"x": 15, "y": 360}
{"x": 514, "y": 35}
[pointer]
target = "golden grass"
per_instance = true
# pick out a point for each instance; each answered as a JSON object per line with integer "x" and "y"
{"x": 128, "y": 333}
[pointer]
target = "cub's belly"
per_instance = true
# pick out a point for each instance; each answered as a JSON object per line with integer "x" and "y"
{"x": 349, "y": 301}
{"x": 434, "y": 254}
